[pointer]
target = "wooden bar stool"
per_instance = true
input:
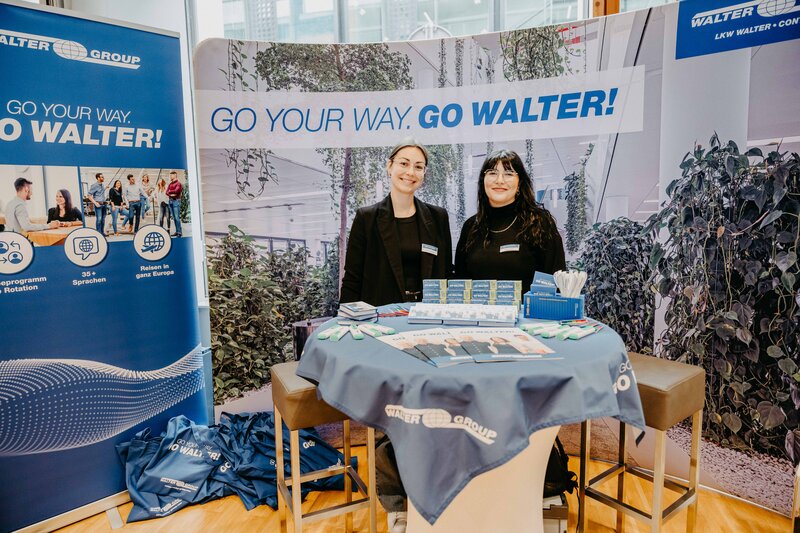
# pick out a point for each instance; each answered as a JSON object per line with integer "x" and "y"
{"x": 297, "y": 406}
{"x": 670, "y": 392}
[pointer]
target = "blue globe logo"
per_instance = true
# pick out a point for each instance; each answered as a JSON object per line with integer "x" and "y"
{"x": 153, "y": 242}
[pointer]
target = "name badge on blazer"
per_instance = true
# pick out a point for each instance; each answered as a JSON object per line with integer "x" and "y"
{"x": 430, "y": 249}
{"x": 509, "y": 248}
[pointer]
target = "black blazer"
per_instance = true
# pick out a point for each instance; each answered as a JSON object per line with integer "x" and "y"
{"x": 373, "y": 268}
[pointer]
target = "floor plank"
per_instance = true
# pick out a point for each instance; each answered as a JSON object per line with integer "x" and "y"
{"x": 715, "y": 513}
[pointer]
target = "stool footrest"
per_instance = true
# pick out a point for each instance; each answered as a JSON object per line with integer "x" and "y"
{"x": 688, "y": 496}
{"x": 336, "y": 510}
{"x": 617, "y": 469}
{"x": 618, "y": 505}
{"x": 638, "y": 472}
{"x": 329, "y": 511}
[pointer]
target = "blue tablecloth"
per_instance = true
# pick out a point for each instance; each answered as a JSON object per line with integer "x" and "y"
{"x": 451, "y": 424}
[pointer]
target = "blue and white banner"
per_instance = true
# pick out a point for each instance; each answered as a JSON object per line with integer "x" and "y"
{"x": 593, "y": 103}
{"x": 97, "y": 301}
{"x": 712, "y": 26}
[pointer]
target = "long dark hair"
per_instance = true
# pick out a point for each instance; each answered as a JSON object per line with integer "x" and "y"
{"x": 67, "y": 200}
{"x": 538, "y": 225}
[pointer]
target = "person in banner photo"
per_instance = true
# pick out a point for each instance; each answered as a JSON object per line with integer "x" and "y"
{"x": 503, "y": 346}
{"x": 64, "y": 212}
{"x": 163, "y": 203}
{"x": 147, "y": 189}
{"x": 174, "y": 192}
{"x": 17, "y": 218}
{"x": 97, "y": 195}
{"x": 132, "y": 193}
{"x": 399, "y": 241}
{"x": 393, "y": 245}
{"x": 512, "y": 235}
{"x": 115, "y": 200}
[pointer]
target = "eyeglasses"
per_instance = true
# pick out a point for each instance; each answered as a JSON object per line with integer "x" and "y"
{"x": 493, "y": 175}
{"x": 406, "y": 165}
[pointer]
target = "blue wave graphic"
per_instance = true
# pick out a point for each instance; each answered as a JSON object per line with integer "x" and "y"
{"x": 48, "y": 405}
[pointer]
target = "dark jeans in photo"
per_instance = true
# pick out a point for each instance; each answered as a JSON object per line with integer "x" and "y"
{"x": 100, "y": 218}
{"x": 163, "y": 209}
{"x": 134, "y": 214}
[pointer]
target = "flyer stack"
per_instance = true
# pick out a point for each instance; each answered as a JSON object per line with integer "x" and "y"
{"x": 467, "y": 291}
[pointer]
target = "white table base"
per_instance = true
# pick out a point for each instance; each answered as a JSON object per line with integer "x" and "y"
{"x": 507, "y": 498}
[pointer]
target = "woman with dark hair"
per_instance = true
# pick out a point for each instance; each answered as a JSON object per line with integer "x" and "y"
{"x": 512, "y": 235}
{"x": 116, "y": 200}
{"x": 393, "y": 245}
{"x": 64, "y": 212}
{"x": 399, "y": 241}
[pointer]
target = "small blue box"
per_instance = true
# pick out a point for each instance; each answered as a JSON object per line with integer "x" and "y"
{"x": 553, "y": 307}
{"x": 459, "y": 284}
{"x": 543, "y": 284}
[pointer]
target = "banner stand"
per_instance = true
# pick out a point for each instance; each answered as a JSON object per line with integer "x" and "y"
{"x": 78, "y": 514}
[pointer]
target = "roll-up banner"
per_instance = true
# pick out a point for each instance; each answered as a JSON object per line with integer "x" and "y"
{"x": 100, "y": 333}
{"x": 294, "y": 138}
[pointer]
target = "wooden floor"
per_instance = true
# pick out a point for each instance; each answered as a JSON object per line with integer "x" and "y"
{"x": 716, "y": 513}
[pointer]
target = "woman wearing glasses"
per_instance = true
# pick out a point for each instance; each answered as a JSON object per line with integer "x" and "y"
{"x": 512, "y": 235}
{"x": 399, "y": 241}
{"x": 393, "y": 246}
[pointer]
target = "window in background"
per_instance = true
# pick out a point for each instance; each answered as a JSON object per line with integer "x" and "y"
{"x": 365, "y": 19}
{"x": 466, "y": 17}
{"x": 317, "y": 21}
{"x": 633, "y": 5}
{"x": 527, "y": 14}
{"x": 308, "y": 21}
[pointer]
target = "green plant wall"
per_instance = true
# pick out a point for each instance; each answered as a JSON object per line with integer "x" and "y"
{"x": 615, "y": 258}
{"x": 728, "y": 267}
{"x": 255, "y": 296}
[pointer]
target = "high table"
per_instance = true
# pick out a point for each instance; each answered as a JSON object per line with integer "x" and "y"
{"x": 50, "y": 237}
{"x": 450, "y": 425}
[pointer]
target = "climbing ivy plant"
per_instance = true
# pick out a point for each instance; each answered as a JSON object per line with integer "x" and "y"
{"x": 728, "y": 266}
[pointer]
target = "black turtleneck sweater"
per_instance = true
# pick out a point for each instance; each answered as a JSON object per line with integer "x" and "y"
{"x": 500, "y": 259}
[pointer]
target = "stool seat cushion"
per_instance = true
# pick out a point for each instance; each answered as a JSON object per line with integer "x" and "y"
{"x": 670, "y": 391}
{"x": 296, "y": 399}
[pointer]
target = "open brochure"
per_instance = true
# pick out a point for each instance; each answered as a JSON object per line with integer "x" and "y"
{"x": 443, "y": 347}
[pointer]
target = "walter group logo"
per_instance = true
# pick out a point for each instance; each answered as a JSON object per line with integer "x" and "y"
{"x": 71, "y": 50}
{"x": 441, "y": 419}
{"x": 764, "y": 8}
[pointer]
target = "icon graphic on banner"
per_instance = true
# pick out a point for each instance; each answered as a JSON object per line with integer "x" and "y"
{"x": 86, "y": 247}
{"x": 70, "y": 50}
{"x": 16, "y": 253}
{"x": 152, "y": 242}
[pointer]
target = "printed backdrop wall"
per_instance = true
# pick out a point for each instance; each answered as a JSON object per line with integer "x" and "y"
{"x": 294, "y": 138}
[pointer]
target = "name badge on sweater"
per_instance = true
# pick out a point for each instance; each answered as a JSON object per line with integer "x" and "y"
{"x": 430, "y": 249}
{"x": 509, "y": 248}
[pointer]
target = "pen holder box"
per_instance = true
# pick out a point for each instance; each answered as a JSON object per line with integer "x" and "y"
{"x": 553, "y": 307}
